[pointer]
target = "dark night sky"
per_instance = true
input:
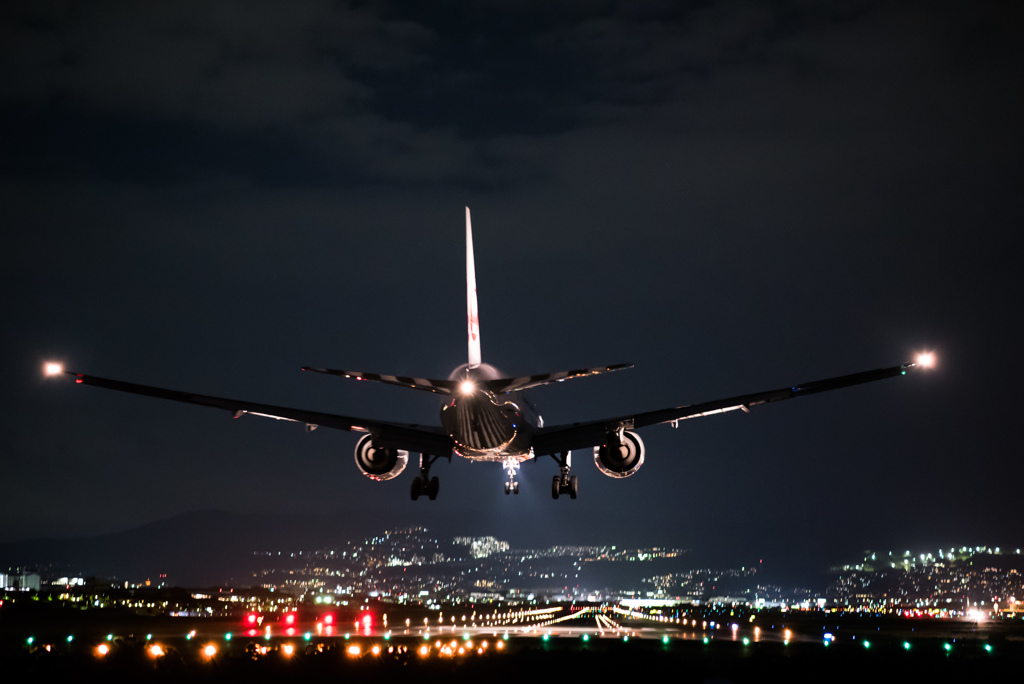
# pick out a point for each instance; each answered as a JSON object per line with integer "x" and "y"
{"x": 734, "y": 196}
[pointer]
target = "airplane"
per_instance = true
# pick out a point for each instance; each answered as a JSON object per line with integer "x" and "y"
{"x": 485, "y": 418}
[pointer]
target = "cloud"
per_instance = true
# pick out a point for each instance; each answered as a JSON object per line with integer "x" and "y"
{"x": 233, "y": 64}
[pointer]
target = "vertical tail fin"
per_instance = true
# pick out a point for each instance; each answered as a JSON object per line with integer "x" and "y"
{"x": 473, "y": 314}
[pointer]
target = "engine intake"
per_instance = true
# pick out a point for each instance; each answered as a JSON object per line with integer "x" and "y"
{"x": 620, "y": 458}
{"x": 379, "y": 463}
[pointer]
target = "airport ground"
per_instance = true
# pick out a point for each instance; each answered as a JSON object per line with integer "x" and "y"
{"x": 569, "y": 644}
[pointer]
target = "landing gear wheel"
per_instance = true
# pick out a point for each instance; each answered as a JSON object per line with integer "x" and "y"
{"x": 572, "y": 487}
{"x": 508, "y": 488}
{"x": 417, "y": 488}
{"x": 433, "y": 487}
{"x": 556, "y": 483}
{"x": 515, "y": 488}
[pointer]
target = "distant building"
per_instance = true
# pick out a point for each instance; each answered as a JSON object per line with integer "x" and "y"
{"x": 19, "y": 580}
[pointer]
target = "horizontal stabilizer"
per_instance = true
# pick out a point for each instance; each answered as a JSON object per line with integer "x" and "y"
{"x": 503, "y": 385}
{"x": 496, "y": 386}
{"x": 435, "y": 386}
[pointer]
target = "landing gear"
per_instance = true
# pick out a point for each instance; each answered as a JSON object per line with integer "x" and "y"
{"x": 424, "y": 484}
{"x": 564, "y": 483}
{"x": 512, "y": 485}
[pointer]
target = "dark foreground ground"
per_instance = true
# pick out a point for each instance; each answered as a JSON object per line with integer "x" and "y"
{"x": 558, "y": 660}
{"x": 864, "y": 649}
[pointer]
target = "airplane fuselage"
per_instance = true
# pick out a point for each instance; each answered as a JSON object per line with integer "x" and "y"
{"x": 485, "y": 427}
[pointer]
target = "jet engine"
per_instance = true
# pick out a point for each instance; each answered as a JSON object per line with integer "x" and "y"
{"x": 379, "y": 463}
{"x": 621, "y": 455}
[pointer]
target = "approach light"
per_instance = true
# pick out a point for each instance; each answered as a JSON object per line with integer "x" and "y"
{"x": 50, "y": 368}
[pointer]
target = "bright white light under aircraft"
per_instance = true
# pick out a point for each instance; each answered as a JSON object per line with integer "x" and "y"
{"x": 51, "y": 368}
{"x": 467, "y": 387}
{"x": 926, "y": 360}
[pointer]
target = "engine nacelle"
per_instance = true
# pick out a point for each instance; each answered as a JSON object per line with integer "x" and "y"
{"x": 620, "y": 459}
{"x": 379, "y": 463}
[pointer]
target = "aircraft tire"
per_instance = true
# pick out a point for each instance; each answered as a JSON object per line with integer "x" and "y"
{"x": 572, "y": 487}
{"x": 555, "y": 482}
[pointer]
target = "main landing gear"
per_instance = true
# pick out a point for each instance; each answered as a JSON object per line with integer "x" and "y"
{"x": 563, "y": 484}
{"x": 424, "y": 484}
{"x": 512, "y": 486}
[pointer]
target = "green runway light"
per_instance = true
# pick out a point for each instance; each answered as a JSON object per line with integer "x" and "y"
{"x": 706, "y": 640}
{"x": 988, "y": 648}
{"x": 110, "y": 637}
{"x": 625, "y": 638}
{"x": 307, "y": 636}
{"x": 586, "y": 637}
{"x": 867, "y": 644}
{"x": 664, "y": 639}
{"x": 948, "y": 647}
{"x": 544, "y": 638}
{"x": 906, "y": 645}
{"x": 70, "y": 638}
{"x": 746, "y": 641}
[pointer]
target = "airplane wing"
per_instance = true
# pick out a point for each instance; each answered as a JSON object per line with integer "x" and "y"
{"x": 559, "y": 438}
{"x": 418, "y": 438}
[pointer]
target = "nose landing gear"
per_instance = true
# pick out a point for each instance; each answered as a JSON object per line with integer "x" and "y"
{"x": 512, "y": 485}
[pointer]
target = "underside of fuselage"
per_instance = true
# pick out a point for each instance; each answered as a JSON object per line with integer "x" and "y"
{"x": 484, "y": 426}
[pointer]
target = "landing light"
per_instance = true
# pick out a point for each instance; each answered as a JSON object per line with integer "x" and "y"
{"x": 926, "y": 360}
{"x": 467, "y": 387}
{"x": 50, "y": 368}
